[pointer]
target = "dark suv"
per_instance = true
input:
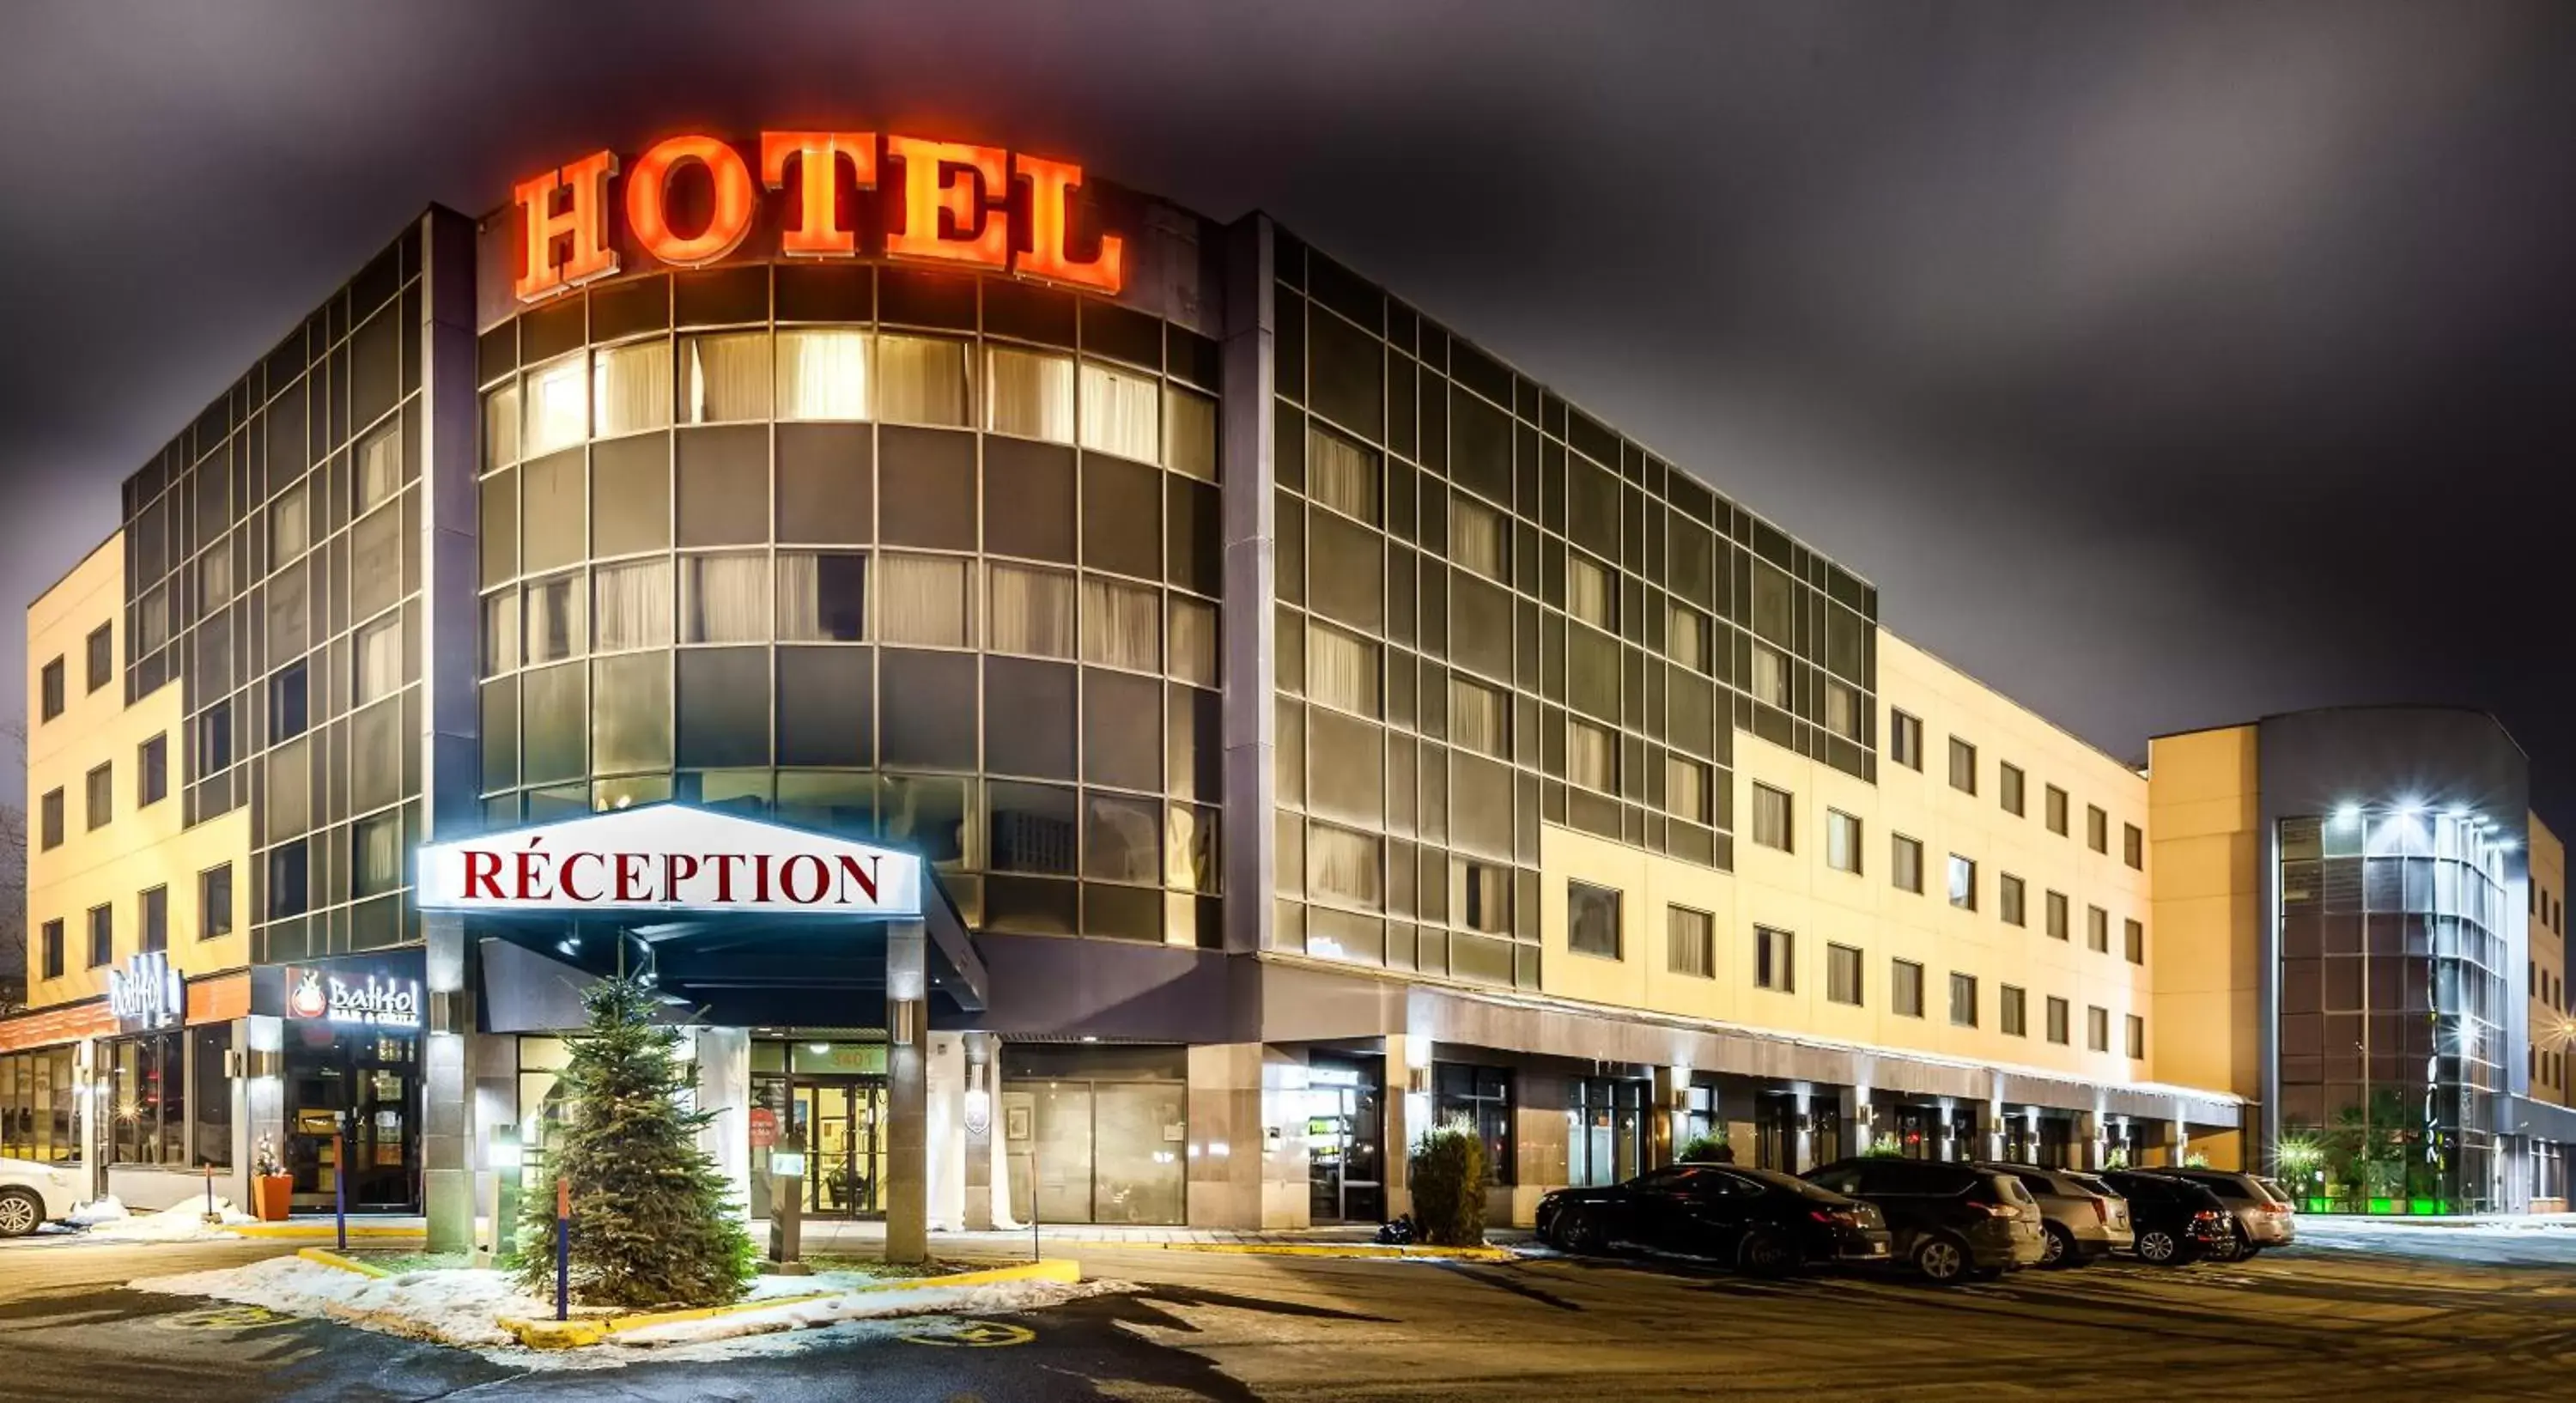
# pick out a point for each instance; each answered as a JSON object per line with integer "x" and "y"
{"x": 1950, "y": 1220}
{"x": 2176, "y": 1220}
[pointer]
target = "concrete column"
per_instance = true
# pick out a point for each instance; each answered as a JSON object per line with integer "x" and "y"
{"x": 259, "y": 1096}
{"x": 1408, "y": 1114}
{"x": 1672, "y": 1094}
{"x": 1851, "y": 1104}
{"x": 946, "y": 1161}
{"x": 724, "y": 1087}
{"x": 447, "y": 1135}
{"x": 907, "y": 1170}
{"x": 2087, "y": 1146}
{"x": 1246, "y": 444}
{"x": 984, "y": 1177}
{"x": 1227, "y": 1143}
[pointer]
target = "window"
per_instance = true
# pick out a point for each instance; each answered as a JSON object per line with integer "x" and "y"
{"x": 1592, "y": 759}
{"x": 2057, "y": 915}
{"x": 215, "y": 738}
{"x": 1842, "y": 975}
{"x": 1480, "y": 895}
{"x": 288, "y": 869}
{"x": 50, "y": 821}
{"x": 2137, "y": 1030}
{"x": 378, "y": 651}
{"x": 1771, "y": 818}
{"x": 1479, "y": 539}
{"x": 723, "y": 377}
{"x": 2133, "y": 846}
{"x": 921, "y": 599}
{"x": 1122, "y": 625}
{"x": 1482, "y": 1097}
{"x": 155, "y": 934}
{"x": 2009, "y": 896}
{"x": 1028, "y": 610}
{"x": 1342, "y": 475}
{"x": 290, "y": 526}
{"x": 152, "y": 771}
{"x": 1478, "y": 718}
{"x": 558, "y": 407}
{"x": 1905, "y": 864}
{"x": 1842, "y": 709}
{"x": 630, "y": 602}
{"x": 2015, "y": 1012}
{"x": 1905, "y": 739}
{"x": 1122, "y": 413}
{"x": 2097, "y": 829}
{"x": 1343, "y": 867}
{"x": 215, "y": 902}
{"x": 823, "y": 374}
{"x": 1342, "y": 670}
{"x": 289, "y": 701}
{"x": 724, "y": 599}
{"x": 1963, "y": 1000}
{"x": 1775, "y": 959}
{"x": 1905, "y": 988}
{"x": 922, "y": 380}
{"x": 1028, "y": 394}
{"x": 101, "y": 796}
{"x": 375, "y": 855}
{"x": 2133, "y": 941}
{"x": 379, "y": 469}
{"x": 1685, "y": 789}
{"x": 101, "y": 662}
{"x": 2097, "y": 1028}
{"x": 2008, "y": 786}
{"x": 1686, "y": 637}
{"x": 1690, "y": 942}
{"x": 1842, "y": 841}
{"x": 2055, "y": 800}
{"x": 53, "y": 949}
{"x": 1592, "y": 920}
{"x": 102, "y": 936}
{"x": 2057, "y": 1021}
{"x": 52, "y": 702}
{"x": 1591, "y": 594}
{"x": 2097, "y": 929}
{"x": 1963, "y": 766}
{"x": 1963, "y": 883}
{"x": 1770, "y": 676}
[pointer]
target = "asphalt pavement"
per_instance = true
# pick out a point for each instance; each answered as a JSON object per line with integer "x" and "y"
{"x": 2416, "y": 1312}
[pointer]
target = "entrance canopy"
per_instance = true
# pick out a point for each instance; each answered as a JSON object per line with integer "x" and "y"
{"x": 758, "y": 922}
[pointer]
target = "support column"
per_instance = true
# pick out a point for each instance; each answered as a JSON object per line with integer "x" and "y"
{"x": 907, "y": 1171}
{"x": 945, "y": 1164}
{"x": 2088, "y": 1140}
{"x": 724, "y": 1087}
{"x": 1664, "y": 1121}
{"x": 1225, "y": 1183}
{"x": 1859, "y": 1120}
{"x": 1408, "y": 1114}
{"x": 447, "y": 1134}
{"x": 983, "y": 1094}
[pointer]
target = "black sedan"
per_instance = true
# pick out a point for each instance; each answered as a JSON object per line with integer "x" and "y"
{"x": 1757, "y": 1219}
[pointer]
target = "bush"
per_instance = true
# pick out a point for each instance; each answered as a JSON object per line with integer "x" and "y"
{"x": 1448, "y": 1174}
{"x": 1704, "y": 1149}
{"x": 1884, "y": 1147}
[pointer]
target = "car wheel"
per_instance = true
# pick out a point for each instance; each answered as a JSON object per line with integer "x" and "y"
{"x": 1941, "y": 1258}
{"x": 1581, "y": 1233}
{"x": 2160, "y": 1247}
{"x": 2230, "y": 1248}
{"x": 20, "y": 1213}
{"x": 2059, "y": 1249}
{"x": 1763, "y": 1253}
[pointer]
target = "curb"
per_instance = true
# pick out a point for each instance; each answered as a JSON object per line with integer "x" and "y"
{"x": 1356, "y": 1251}
{"x": 289, "y": 1232}
{"x": 577, "y": 1334}
{"x": 322, "y": 1256}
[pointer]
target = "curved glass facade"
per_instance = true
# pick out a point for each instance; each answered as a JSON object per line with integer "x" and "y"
{"x": 2394, "y": 969}
{"x": 929, "y": 558}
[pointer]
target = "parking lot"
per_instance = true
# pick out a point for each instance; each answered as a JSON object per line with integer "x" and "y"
{"x": 2440, "y": 1313}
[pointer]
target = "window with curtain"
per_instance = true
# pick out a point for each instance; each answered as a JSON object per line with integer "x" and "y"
{"x": 556, "y": 628}
{"x": 1590, "y": 592}
{"x": 557, "y": 406}
{"x": 1770, "y": 676}
{"x": 1194, "y": 640}
{"x": 1774, "y": 612}
{"x": 1341, "y": 670}
{"x": 1686, "y": 789}
{"x": 1690, "y": 942}
{"x": 215, "y": 572}
{"x": 378, "y": 648}
{"x": 1121, "y": 625}
{"x": 1122, "y": 413}
{"x": 500, "y": 632}
{"x": 1591, "y": 756}
{"x": 724, "y": 376}
{"x": 1029, "y": 610}
{"x": 1190, "y": 848}
{"x": 1842, "y": 709}
{"x": 631, "y": 605}
{"x": 724, "y": 598}
{"x": 289, "y": 526}
{"x": 1122, "y": 839}
{"x": 630, "y": 388}
{"x": 922, "y": 599}
{"x": 1686, "y": 637}
{"x": 376, "y": 856}
{"x": 500, "y": 440}
{"x": 822, "y": 596}
{"x": 823, "y": 374}
{"x": 1479, "y": 718}
{"x": 1028, "y": 394}
{"x": 1342, "y": 867}
{"x": 1189, "y": 434}
{"x": 1772, "y": 819}
{"x": 1341, "y": 474}
{"x": 1479, "y": 539}
{"x": 921, "y": 380}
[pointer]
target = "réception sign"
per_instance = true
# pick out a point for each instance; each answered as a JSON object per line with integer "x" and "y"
{"x": 669, "y": 857}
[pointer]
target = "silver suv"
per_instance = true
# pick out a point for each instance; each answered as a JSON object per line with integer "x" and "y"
{"x": 2260, "y": 1217}
{"x": 2082, "y": 1221}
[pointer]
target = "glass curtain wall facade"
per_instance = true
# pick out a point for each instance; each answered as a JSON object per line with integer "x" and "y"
{"x": 1494, "y": 612}
{"x": 928, "y": 558}
{"x": 274, "y": 573}
{"x": 2393, "y": 988}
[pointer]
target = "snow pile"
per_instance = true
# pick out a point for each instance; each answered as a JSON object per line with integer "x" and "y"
{"x": 183, "y": 1222}
{"x": 999, "y": 1298}
{"x": 455, "y": 1306}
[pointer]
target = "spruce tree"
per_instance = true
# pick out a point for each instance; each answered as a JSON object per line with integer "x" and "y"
{"x": 653, "y": 1220}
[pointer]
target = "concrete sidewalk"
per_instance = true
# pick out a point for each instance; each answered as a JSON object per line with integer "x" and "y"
{"x": 1355, "y": 1240}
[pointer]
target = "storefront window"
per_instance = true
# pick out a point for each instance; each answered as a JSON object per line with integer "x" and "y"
{"x": 147, "y": 1100}
{"x": 1605, "y": 1132}
{"x": 36, "y": 1103}
{"x": 210, "y": 1096}
{"x": 1482, "y": 1097}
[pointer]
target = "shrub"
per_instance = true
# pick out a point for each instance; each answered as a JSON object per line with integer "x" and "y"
{"x": 1448, "y": 1174}
{"x": 1885, "y": 1147}
{"x": 1702, "y": 1149}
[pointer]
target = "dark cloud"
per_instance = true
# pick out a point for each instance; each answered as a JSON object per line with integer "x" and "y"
{"x": 2164, "y": 364}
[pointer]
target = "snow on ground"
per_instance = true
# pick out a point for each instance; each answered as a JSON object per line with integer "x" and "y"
{"x": 183, "y": 1222}
{"x": 464, "y": 1307}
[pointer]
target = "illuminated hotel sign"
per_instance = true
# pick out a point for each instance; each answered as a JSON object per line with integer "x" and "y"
{"x": 147, "y": 993}
{"x": 669, "y": 857}
{"x": 366, "y": 998}
{"x": 692, "y": 200}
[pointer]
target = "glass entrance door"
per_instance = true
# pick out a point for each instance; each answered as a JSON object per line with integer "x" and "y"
{"x": 841, "y": 1122}
{"x": 1345, "y": 1133}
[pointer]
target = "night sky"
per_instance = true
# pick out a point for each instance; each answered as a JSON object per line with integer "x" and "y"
{"x": 2164, "y": 365}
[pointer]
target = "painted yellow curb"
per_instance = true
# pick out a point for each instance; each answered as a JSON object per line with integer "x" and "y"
{"x": 575, "y": 1334}
{"x": 325, "y": 1257}
{"x": 291, "y": 1231}
{"x": 1351, "y": 1250}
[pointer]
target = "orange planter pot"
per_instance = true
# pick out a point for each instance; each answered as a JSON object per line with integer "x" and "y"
{"x": 272, "y": 1194}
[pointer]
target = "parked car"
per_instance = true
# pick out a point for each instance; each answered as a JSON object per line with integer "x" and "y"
{"x": 1949, "y": 1220}
{"x": 2083, "y": 1221}
{"x": 32, "y": 1195}
{"x": 2259, "y": 1216}
{"x": 2176, "y": 1221}
{"x": 1758, "y": 1220}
